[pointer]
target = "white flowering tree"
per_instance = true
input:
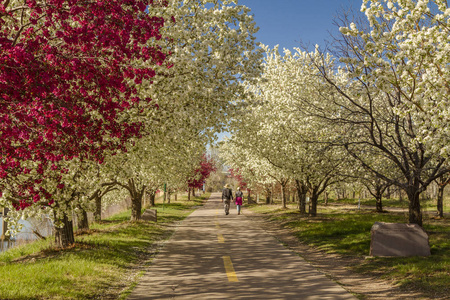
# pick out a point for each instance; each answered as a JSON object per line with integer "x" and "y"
{"x": 363, "y": 177}
{"x": 292, "y": 86}
{"x": 274, "y": 128}
{"x": 237, "y": 154}
{"x": 392, "y": 92}
{"x": 150, "y": 163}
{"x": 212, "y": 48}
{"x": 441, "y": 182}
{"x": 416, "y": 36}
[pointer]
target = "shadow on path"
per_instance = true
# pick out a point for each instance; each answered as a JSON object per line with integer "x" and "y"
{"x": 192, "y": 265}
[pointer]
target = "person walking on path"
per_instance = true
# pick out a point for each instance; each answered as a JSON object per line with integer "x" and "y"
{"x": 239, "y": 196}
{"x": 227, "y": 196}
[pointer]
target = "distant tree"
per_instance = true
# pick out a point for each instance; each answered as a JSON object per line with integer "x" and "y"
{"x": 442, "y": 182}
{"x": 238, "y": 177}
{"x": 206, "y": 167}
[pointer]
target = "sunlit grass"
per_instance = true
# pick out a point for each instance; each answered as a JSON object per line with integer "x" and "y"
{"x": 97, "y": 266}
{"x": 347, "y": 232}
{"x": 427, "y": 204}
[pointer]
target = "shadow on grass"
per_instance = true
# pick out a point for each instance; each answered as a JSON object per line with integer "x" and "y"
{"x": 101, "y": 264}
{"x": 348, "y": 233}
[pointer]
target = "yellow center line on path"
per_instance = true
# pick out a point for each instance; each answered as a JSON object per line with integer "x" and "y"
{"x": 220, "y": 238}
{"x": 229, "y": 269}
{"x": 217, "y": 225}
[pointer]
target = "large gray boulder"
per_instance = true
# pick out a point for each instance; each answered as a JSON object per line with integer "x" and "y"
{"x": 398, "y": 239}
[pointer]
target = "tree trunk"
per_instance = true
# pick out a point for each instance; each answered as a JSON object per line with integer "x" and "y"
{"x": 189, "y": 194}
{"x": 193, "y": 192}
{"x": 136, "y": 207}
{"x": 302, "y": 202}
{"x": 313, "y": 204}
{"x": 5, "y": 224}
{"x": 272, "y": 194}
{"x": 168, "y": 197}
{"x": 64, "y": 235}
{"x": 97, "y": 196}
{"x": 268, "y": 194}
{"x": 301, "y": 195}
{"x": 283, "y": 195}
{"x": 83, "y": 222}
{"x": 249, "y": 196}
{"x": 326, "y": 198}
{"x": 152, "y": 195}
{"x": 136, "y": 199}
{"x": 176, "y": 197}
{"x": 434, "y": 191}
{"x": 440, "y": 200}
{"x": 98, "y": 209}
{"x": 388, "y": 193}
{"x": 441, "y": 183}
{"x": 144, "y": 200}
{"x": 379, "y": 204}
{"x": 338, "y": 193}
{"x": 415, "y": 212}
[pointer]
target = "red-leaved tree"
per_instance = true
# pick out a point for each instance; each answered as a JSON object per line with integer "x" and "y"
{"x": 207, "y": 166}
{"x": 240, "y": 179}
{"x": 68, "y": 71}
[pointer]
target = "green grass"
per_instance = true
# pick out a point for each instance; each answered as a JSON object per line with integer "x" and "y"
{"x": 101, "y": 264}
{"x": 429, "y": 274}
{"x": 369, "y": 202}
{"x": 347, "y": 232}
{"x": 427, "y": 204}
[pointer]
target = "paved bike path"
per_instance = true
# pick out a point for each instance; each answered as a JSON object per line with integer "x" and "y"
{"x": 214, "y": 256}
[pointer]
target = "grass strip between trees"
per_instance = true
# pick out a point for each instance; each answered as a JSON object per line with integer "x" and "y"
{"x": 347, "y": 232}
{"x": 104, "y": 263}
{"x": 426, "y": 204}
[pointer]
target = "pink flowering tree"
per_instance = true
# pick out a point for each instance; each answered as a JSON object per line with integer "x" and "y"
{"x": 68, "y": 73}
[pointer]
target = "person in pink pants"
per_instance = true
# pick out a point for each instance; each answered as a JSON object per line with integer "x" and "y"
{"x": 239, "y": 196}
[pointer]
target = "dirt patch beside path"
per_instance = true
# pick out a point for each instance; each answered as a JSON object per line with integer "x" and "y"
{"x": 335, "y": 266}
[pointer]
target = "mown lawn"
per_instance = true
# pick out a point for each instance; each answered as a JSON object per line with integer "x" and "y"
{"x": 427, "y": 204}
{"x": 347, "y": 232}
{"x": 104, "y": 263}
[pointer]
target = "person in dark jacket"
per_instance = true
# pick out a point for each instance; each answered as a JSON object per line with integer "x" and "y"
{"x": 227, "y": 196}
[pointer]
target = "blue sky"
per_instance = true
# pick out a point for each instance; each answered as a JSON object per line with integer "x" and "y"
{"x": 290, "y": 22}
